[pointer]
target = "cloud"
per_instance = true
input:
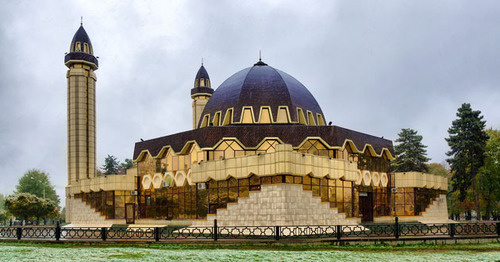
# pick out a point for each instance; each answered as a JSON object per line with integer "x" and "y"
{"x": 374, "y": 67}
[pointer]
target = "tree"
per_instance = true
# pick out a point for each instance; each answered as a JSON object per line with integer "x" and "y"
{"x": 411, "y": 153}
{"x": 438, "y": 169}
{"x": 111, "y": 165}
{"x": 467, "y": 141}
{"x": 2, "y": 201}
{"x": 489, "y": 175}
{"x": 3, "y": 215}
{"x": 26, "y": 205}
{"x": 37, "y": 182}
{"x": 127, "y": 164}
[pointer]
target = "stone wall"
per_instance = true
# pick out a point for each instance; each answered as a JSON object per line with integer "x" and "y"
{"x": 83, "y": 214}
{"x": 278, "y": 204}
{"x": 437, "y": 212}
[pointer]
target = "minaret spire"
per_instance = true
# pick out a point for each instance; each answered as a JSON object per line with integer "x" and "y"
{"x": 81, "y": 20}
{"x": 260, "y": 56}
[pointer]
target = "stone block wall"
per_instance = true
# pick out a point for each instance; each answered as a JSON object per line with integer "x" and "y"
{"x": 278, "y": 204}
{"x": 83, "y": 214}
{"x": 436, "y": 212}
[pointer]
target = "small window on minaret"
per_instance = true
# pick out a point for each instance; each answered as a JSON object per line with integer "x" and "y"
{"x": 202, "y": 82}
{"x": 85, "y": 47}
{"x": 196, "y": 83}
{"x": 78, "y": 47}
{"x": 208, "y": 82}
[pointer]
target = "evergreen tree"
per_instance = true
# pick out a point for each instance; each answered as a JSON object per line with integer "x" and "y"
{"x": 111, "y": 165}
{"x": 411, "y": 153}
{"x": 467, "y": 142}
{"x": 489, "y": 175}
{"x": 127, "y": 164}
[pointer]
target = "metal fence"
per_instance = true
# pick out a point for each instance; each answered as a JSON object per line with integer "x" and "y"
{"x": 276, "y": 233}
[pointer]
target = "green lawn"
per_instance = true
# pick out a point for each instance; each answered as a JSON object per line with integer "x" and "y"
{"x": 26, "y": 251}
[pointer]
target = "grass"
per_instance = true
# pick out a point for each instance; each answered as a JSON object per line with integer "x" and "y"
{"x": 14, "y": 251}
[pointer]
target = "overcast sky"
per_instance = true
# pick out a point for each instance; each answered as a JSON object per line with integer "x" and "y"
{"x": 373, "y": 66}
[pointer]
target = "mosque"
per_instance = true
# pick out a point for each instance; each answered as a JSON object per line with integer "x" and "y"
{"x": 260, "y": 153}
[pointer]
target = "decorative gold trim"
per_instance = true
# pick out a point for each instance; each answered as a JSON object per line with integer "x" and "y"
{"x": 347, "y": 142}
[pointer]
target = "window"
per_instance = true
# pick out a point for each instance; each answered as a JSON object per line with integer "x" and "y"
{"x": 282, "y": 115}
{"x": 265, "y": 116}
{"x": 206, "y": 120}
{"x": 321, "y": 121}
{"x": 300, "y": 116}
{"x": 228, "y": 118}
{"x": 310, "y": 118}
{"x": 216, "y": 121}
{"x": 316, "y": 147}
{"x": 247, "y": 116}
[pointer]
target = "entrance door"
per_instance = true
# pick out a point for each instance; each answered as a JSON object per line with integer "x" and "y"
{"x": 129, "y": 213}
{"x": 366, "y": 206}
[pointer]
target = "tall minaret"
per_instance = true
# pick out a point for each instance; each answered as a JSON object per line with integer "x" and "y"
{"x": 200, "y": 94}
{"x": 81, "y": 107}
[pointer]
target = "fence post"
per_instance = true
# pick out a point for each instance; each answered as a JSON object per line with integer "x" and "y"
{"x": 215, "y": 230}
{"x": 157, "y": 234}
{"x": 103, "y": 234}
{"x": 452, "y": 230}
{"x": 277, "y": 235}
{"x": 58, "y": 231}
{"x": 396, "y": 227}
{"x": 19, "y": 232}
{"x": 339, "y": 232}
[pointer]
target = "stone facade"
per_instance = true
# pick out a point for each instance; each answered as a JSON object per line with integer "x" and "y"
{"x": 436, "y": 212}
{"x": 83, "y": 214}
{"x": 81, "y": 122}
{"x": 279, "y": 204}
{"x": 420, "y": 180}
{"x": 283, "y": 161}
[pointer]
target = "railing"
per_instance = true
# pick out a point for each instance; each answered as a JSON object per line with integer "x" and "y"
{"x": 275, "y": 233}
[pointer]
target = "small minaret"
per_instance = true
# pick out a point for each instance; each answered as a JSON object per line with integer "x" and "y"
{"x": 200, "y": 94}
{"x": 81, "y": 107}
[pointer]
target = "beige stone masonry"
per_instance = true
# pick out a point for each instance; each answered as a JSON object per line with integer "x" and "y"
{"x": 421, "y": 180}
{"x": 283, "y": 161}
{"x": 436, "y": 212}
{"x": 83, "y": 214}
{"x": 278, "y": 204}
{"x": 106, "y": 183}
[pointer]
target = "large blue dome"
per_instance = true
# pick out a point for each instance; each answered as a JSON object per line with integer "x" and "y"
{"x": 261, "y": 86}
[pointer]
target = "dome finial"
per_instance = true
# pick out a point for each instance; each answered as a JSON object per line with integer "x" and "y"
{"x": 202, "y": 61}
{"x": 81, "y": 20}
{"x": 260, "y": 63}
